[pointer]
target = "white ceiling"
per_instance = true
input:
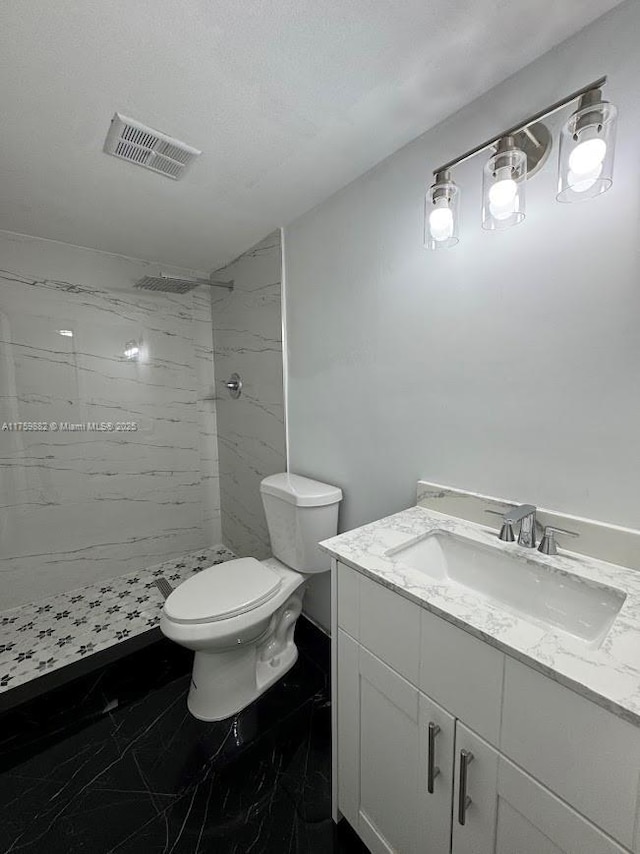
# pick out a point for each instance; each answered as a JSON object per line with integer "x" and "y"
{"x": 288, "y": 99}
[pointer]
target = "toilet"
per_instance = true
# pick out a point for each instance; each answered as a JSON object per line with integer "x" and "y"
{"x": 239, "y": 616}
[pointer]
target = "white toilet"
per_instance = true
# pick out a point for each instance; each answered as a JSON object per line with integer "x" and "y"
{"x": 240, "y": 616}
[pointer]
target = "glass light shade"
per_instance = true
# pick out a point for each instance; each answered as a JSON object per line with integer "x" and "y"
{"x": 442, "y": 213}
{"x": 587, "y": 147}
{"x": 503, "y": 187}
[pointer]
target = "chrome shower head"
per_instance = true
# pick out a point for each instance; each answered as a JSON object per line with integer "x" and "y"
{"x": 177, "y": 285}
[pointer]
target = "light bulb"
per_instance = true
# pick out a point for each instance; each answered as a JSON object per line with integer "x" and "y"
{"x": 441, "y": 221}
{"x": 586, "y": 158}
{"x": 503, "y": 194}
{"x": 585, "y": 164}
{"x": 505, "y": 209}
{"x": 581, "y": 182}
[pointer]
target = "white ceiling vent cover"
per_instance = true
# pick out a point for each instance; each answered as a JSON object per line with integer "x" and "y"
{"x": 130, "y": 140}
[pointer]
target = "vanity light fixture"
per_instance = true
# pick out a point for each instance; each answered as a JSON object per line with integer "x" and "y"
{"x": 587, "y": 145}
{"x": 442, "y": 212}
{"x": 66, "y": 333}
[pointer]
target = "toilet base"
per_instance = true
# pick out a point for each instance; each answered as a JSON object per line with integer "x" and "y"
{"x": 222, "y": 689}
{"x": 225, "y": 682}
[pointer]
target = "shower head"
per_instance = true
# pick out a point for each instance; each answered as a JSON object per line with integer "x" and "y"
{"x": 177, "y": 285}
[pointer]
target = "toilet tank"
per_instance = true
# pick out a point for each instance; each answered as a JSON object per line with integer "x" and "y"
{"x": 300, "y": 512}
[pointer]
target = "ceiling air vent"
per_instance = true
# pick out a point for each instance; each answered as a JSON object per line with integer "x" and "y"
{"x": 130, "y": 140}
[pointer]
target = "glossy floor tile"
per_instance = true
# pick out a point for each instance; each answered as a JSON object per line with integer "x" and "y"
{"x": 115, "y": 763}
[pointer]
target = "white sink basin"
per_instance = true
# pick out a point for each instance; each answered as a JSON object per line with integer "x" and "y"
{"x": 519, "y": 583}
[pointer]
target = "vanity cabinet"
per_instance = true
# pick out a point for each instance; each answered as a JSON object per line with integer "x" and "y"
{"x": 424, "y": 709}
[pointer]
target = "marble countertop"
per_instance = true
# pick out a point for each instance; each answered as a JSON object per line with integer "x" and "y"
{"x": 607, "y": 672}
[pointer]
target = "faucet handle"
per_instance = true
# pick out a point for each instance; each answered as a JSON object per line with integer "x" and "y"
{"x": 548, "y": 544}
{"x": 506, "y": 530}
{"x": 506, "y": 533}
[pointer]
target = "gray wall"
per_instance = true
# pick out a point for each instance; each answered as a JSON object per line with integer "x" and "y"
{"x": 251, "y": 435}
{"x": 79, "y": 507}
{"x": 509, "y": 365}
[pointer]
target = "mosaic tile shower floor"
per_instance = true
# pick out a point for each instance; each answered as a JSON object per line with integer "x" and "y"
{"x": 41, "y": 637}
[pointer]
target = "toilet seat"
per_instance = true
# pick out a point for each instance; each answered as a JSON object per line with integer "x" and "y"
{"x": 223, "y": 591}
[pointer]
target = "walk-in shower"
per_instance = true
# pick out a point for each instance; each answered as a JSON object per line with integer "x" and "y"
{"x": 122, "y": 466}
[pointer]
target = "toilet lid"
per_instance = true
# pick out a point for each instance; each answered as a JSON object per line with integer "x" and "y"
{"x": 222, "y": 591}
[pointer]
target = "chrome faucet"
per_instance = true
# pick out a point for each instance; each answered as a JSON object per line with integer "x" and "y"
{"x": 526, "y": 515}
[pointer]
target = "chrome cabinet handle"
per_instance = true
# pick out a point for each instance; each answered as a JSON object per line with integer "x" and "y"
{"x": 466, "y": 756}
{"x": 432, "y": 768}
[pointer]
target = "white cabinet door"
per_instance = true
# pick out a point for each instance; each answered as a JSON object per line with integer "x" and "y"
{"x": 474, "y": 795}
{"x": 435, "y": 777}
{"x": 389, "y": 761}
{"x": 378, "y": 745}
{"x": 507, "y": 811}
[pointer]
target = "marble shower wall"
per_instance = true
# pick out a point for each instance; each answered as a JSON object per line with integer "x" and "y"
{"x": 251, "y": 432}
{"x": 80, "y": 506}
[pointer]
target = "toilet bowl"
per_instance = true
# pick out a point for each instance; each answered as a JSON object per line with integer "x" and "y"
{"x": 239, "y": 616}
{"x": 241, "y": 651}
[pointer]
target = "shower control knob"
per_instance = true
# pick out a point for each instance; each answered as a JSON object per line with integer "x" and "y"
{"x": 234, "y": 385}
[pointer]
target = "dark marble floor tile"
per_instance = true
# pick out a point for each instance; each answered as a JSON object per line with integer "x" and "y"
{"x": 307, "y": 777}
{"x": 202, "y": 821}
{"x": 326, "y": 838}
{"x": 144, "y": 776}
{"x": 46, "y": 720}
{"x": 187, "y": 830}
{"x": 176, "y": 750}
{"x": 95, "y": 822}
{"x": 75, "y": 759}
{"x": 314, "y": 644}
{"x": 72, "y": 799}
{"x": 21, "y": 799}
{"x": 236, "y": 753}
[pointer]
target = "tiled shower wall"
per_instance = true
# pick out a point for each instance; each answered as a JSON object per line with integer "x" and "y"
{"x": 251, "y": 433}
{"x": 77, "y": 507}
